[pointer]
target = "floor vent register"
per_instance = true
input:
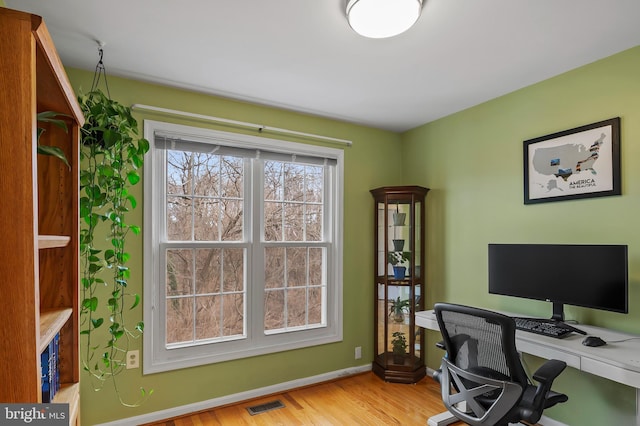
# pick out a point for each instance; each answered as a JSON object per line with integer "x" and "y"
{"x": 267, "y": 406}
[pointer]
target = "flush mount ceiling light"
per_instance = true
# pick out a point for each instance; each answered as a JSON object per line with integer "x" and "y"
{"x": 382, "y": 18}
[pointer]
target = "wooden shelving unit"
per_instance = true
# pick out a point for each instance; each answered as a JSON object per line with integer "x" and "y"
{"x": 38, "y": 214}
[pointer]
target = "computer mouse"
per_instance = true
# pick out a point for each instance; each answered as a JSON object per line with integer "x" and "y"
{"x": 593, "y": 341}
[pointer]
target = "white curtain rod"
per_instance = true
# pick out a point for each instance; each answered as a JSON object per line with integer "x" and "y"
{"x": 261, "y": 128}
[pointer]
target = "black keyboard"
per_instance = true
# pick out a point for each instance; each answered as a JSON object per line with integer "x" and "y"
{"x": 541, "y": 327}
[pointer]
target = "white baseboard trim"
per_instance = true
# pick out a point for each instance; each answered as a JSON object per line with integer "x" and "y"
{"x": 238, "y": 397}
{"x": 257, "y": 393}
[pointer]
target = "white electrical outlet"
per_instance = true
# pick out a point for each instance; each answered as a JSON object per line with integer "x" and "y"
{"x": 358, "y": 352}
{"x": 133, "y": 359}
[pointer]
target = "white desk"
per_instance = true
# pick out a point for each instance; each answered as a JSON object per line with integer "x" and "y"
{"x": 619, "y": 362}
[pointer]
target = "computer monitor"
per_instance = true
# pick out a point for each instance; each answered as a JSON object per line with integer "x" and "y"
{"x": 590, "y": 275}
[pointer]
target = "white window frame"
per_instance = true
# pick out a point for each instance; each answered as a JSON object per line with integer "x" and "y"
{"x": 157, "y": 357}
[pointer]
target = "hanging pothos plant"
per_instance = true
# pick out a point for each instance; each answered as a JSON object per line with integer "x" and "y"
{"x": 111, "y": 155}
{"x": 53, "y": 118}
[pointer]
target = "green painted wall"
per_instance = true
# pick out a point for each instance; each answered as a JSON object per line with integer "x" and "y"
{"x": 472, "y": 161}
{"x": 366, "y": 167}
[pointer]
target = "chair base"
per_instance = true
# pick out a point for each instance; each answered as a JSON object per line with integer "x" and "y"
{"x": 442, "y": 419}
{"x": 446, "y": 418}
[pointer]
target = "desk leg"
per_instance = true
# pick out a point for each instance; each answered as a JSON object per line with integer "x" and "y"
{"x": 637, "y": 406}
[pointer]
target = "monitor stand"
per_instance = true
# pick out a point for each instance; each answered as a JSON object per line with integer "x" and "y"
{"x": 557, "y": 318}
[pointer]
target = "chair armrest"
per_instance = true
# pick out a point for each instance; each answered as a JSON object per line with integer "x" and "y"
{"x": 545, "y": 375}
{"x": 549, "y": 371}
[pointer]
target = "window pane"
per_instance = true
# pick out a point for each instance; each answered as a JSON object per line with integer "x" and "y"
{"x": 179, "y": 320}
{"x": 274, "y": 310}
{"x": 206, "y": 174}
{"x": 179, "y": 272}
{"x": 293, "y": 182}
{"x": 300, "y": 215}
{"x": 207, "y": 271}
{"x": 206, "y": 214}
{"x": 316, "y": 257}
{"x": 233, "y": 305}
{"x": 232, "y": 219}
{"x": 296, "y": 267}
{"x": 315, "y": 305}
{"x": 313, "y": 222}
{"x": 300, "y": 300}
{"x": 296, "y": 307}
{"x": 179, "y": 179}
{"x": 179, "y": 218}
{"x": 274, "y": 267}
{"x": 272, "y": 221}
{"x": 294, "y": 229}
{"x": 314, "y": 184}
{"x": 212, "y": 189}
{"x": 231, "y": 174}
{"x": 273, "y": 181}
{"x": 233, "y": 270}
{"x": 207, "y": 317}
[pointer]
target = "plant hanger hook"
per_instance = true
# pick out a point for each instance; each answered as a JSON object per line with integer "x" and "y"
{"x": 100, "y": 70}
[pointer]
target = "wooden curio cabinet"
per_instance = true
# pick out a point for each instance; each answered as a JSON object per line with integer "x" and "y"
{"x": 38, "y": 216}
{"x": 399, "y": 282}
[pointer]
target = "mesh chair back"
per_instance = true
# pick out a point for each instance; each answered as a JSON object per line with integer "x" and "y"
{"x": 481, "y": 342}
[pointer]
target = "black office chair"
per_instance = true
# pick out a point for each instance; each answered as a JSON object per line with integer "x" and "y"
{"x": 482, "y": 369}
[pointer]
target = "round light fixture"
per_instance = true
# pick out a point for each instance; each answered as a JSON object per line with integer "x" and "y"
{"x": 382, "y": 18}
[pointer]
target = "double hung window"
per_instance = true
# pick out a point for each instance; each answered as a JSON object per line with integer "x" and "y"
{"x": 242, "y": 246}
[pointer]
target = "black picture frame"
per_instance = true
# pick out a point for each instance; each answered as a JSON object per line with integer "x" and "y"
{"x": 583, "y": 162}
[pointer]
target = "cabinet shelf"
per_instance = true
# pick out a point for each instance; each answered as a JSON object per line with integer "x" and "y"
{"x": 52, "y": 241}
{"x": 51, "y": 322}
{"x": 69, "y": 393}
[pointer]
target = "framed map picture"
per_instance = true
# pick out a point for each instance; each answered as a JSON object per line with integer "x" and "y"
{"x": 577, "y": 163}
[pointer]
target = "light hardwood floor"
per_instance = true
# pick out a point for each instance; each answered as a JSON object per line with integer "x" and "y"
{"x": 363, "y": 399}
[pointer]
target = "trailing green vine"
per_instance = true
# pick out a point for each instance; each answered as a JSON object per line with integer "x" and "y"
{"x": 111, "y": 155}
{"x": 53, "y": 118}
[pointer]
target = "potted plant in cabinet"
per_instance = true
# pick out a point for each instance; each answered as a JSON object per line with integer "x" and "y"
{"x": 399, "y": 345}
{"x": 398, "y": 218}
{"x": 399, "y": 261}
{"x": 397, "y": 309}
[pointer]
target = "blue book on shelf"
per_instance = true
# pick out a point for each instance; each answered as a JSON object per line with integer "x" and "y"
{"x": 50, "y": 379}
{"x": 46, "y": 376}
{"x": 56, "y": 364}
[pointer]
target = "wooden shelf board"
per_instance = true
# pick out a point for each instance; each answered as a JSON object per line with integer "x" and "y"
{"x": 52, "y": 241}
{"x": 51, "y": 322}
{"x": 69, "y": 393}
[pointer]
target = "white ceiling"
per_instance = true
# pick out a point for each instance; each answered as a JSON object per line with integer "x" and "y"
{"x": 302, "y": 55}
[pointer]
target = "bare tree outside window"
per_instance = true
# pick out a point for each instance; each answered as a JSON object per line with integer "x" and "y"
{"x": 206, "y": 287}
{"x": 204, "y": 203}
{"x": 294, "y": 274}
